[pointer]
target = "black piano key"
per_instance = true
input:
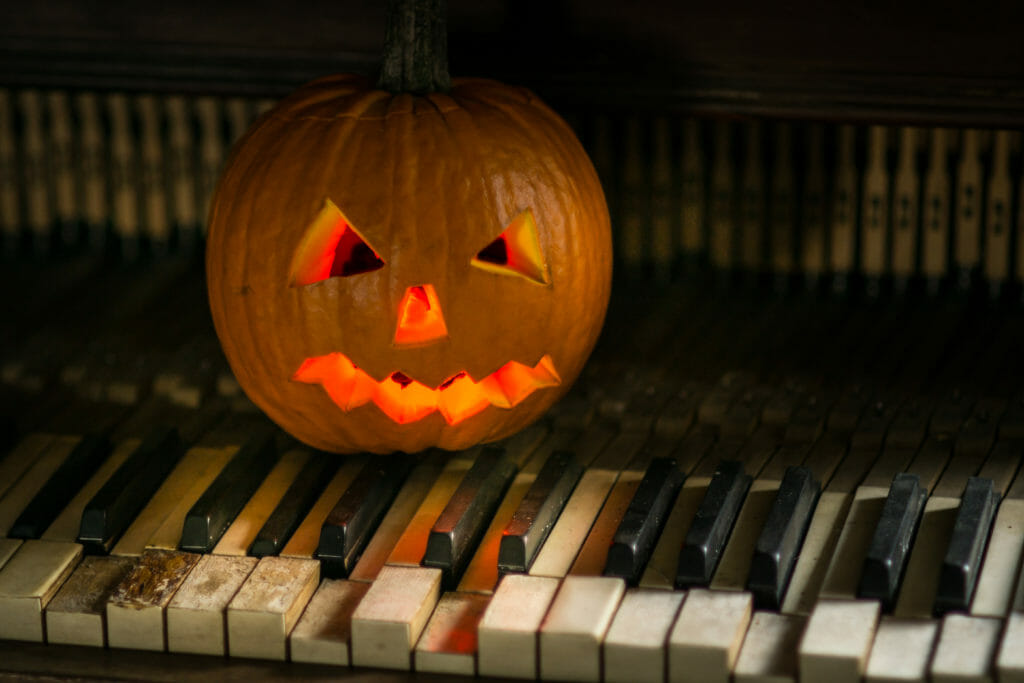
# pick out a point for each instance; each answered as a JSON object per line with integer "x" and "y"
{"x": 61, "y": 487}
{"x": 638, "y": 531}
{"x": 464, "y": 519}
{"x": 209, "y": 518}
{"x": 296, "y": 502}
{"x": 712, "y": 524}
{"x": 115, "y": 505}
{"x": 778, "y": 546}
{"x": 890, "y": 545}
{"x": 348, "y": 527}
{"x": 538, "y": 511}
{"x": 959, "y": 573}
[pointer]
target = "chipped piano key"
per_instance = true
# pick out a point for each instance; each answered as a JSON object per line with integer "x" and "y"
{"x": 77, "y": 614}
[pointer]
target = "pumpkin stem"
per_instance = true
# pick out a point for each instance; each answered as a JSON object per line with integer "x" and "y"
{"x": 416, "y": 48}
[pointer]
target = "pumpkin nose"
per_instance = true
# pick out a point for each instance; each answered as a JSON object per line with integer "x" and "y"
{"x": 419, "y": 317}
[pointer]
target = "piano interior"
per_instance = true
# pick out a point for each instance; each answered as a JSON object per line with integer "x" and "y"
{"x": 793, "y": 454}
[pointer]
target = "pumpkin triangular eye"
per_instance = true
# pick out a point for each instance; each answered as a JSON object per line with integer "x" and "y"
{"x": 331, "y": 247}
{"x": 516, "y": 251}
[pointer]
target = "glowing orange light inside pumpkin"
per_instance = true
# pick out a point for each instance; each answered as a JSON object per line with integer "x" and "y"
{"x": 516, "y": 251}
{"x": 419, "y": 317}
{"x": 405, "y": 400}
{"x": 331, "y": 247}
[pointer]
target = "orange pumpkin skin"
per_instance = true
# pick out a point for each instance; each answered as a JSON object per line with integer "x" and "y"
{"x": 428, "y": 181}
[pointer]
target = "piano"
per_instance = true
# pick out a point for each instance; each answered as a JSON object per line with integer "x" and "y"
{"x": 795, "y": 453}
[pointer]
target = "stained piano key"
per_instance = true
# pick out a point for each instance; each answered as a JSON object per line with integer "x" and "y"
{"x": 705, "y": 640}
{"x": 462, "y": 522}
{"x": 890, "y": 544}
{"x": 507, "y": 632}
{"x": 28, "y": 582}
{"x": 712, "y": 525}
{"x": 324, "y": 630}
{"x": 769, "y": 649}
{"x": 135, "y": 609}
{"x": 242, "y": 533}
{"x": 77, "y": 613}
{"x": 536, "y": 515}
{"x": 210, "y": 516}
{"x": 960, "y": 567}
{"x": 575, "y": 625}
{"x": 195, "y": 616}
{"x": 109, "y": 513}
{"x": 449, "y": 641}
{"x": 638, "y": 531}
{"x": 902, "y": 650}
{"x": 783, "y": 533}
{"x": 392, "y": 615}
{"x": 837, "y": 640}
{"x": 634, "y": 644}
{"x": 266, "y": 608}
{"x": 293, "y": 504}
{"x": 349, "y": 525}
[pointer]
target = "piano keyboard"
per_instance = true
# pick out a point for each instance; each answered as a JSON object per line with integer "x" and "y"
{"x": 742, "y": 485}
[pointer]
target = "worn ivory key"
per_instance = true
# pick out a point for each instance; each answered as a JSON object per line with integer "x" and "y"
{"x": 264, "y": 611}
{"x": 195, "y": 615}
{"x": 449, "y": 641}
{"x": 994, "y": 593}
{"x": 391, "y": 616}
{"x": 8, "y": 546}
{"x": 966, "y": 649}
{"x": 77, "y": 614}
{"x": 28, "y": 581}
{"x": 635, "y": 643}
{"x": 135, "y": 610}
{"x": 571, "y": 635}
{"x": 837, "y": 640}
{"x": 1010, "y": 661}
{"x": 507, "y": 633}
{"x": 324, "y": 630}
{"x": 706, "y": 638}
{"x": 902, "y": 649}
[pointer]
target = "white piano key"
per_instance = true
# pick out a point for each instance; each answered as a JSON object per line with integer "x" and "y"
{"x": 844, "y": 570}
{"x": 571, "y": 635}
{"x": 267, "y": 606}
{"x": 837, "y": 640}
{"x": 135, "y": 610}
{"x": 768, "y": 654}
{"x": 196, "y": 614}
{"x": 966, "y": 649}
{"x": 397, "y": 519}
{"x": 507, "y": 633}
{"x": 706, "y": 638}
{"x": 998, "y": 579}
{"x": 176, "y": 486}
{"x": 390, "y": 618}
{"x": 304, "y": 541}
{"x": 449, "y": 641}
{"x": 242, "y": 532}
{"x": 65, "y": 527}
{"x": 324, "y": 630}
{"x": 77, "y": 613}
{"x": 34, "y": 478}
{"x": 20, "y": 458}
{"x": 901, "y": 650}
{"x": 916, "y": 598}
{"x": 661, "y": 569}
{"x": 816, "y": 552}
{"x": 634, "y": 646}
{"x": 1010, "y": 661}
{"x": 8, "y": 546}
{"x": 29, "y": 581}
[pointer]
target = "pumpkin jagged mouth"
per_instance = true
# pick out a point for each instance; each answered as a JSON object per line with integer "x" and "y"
{"x": 405, "y": 400}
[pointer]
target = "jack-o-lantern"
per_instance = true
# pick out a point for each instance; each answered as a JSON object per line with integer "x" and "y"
{"x": 399, "y": 271}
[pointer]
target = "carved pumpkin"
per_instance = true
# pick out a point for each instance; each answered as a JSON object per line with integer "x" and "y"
{"x": 395, "y": 271}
